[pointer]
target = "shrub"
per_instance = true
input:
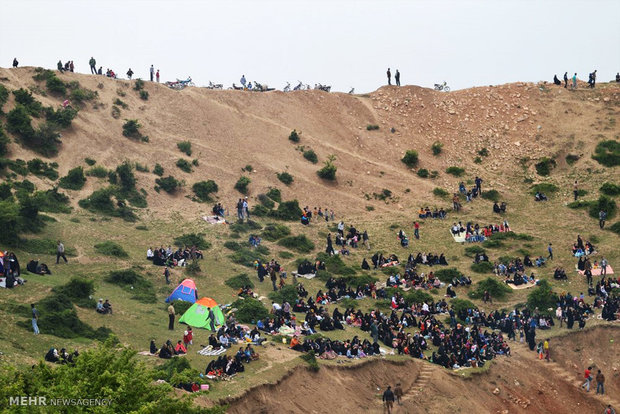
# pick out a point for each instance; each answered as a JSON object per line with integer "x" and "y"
{"x": 4, "y": 96}
{"x": 250, "y": 310}
{"x": 110, "y": 248}
{"x": 422, "y": 173}
{"x": 246, "y": 256}
{"x": 492, "y": 244}
{"x": 158, "y": 170}
{"x": 242, "y": 184}
{"x": 40, "y": 168}
{"x": 446, "y": 275}
{"x": 572, "y": 159}
{"x": 273, "y": 232}
{"x": 610, "y": 189}
{"x": 131, "y": 129}
{"x": 483, "y": 152}
{"x": 299, "y": 243}
{"x": 80, "y": 95}
{"x": 18, "y": 122}
{"x": 410, "y": 159}
{"x": 239, "y": 281}
{"x": 192, "y": 239}
{"x": 131, "y": 281}
{"x": 482, "y": 267}
{"x": 193, "y": 268}
{"x": 287, "y": 210}
{"x": 44, "y": 247}
{"x": 288, "y": 294}
{"x": 436, "y": 147}
{"x": 184, "y": 165}
{"x": 51, "y": 201}
{"x": 79, "y": 290}
{"x": 328, "y": 172}
{"x": 141, "y": 168}
{"x": 286, "y": 255}
{"x": 185, "y": 147}
{"x": 180, "y": 307}
{"x": 607, "y": 153}
{"x": 544, "y": 166}
{"x": 245, "y": 226}
{"x": 492, "y": 195}
{"x": 121, "y": 103}
{"x": 310, "y": 359}
{"x": 4, "y": 145}
{"x": 335, "y": 265}
{"x": 25, "y": 98}
{"x": 615, "y": 228}
{"x": 542, "y": 297}
{"x": 371, "y": 127}
{"x": 138, "y": 85}
{"x": 115, "y": 112}
{"x": 478, "y": 160}
{"x": 144, "y": 95}
{"x": 455, "y": 171}
{"x": 311, "y": 156}
{"x": 440, "y": 192}
{"x": 284, "y": 177}
{"x": 204, "y": 189}
{"x": 545, "y": 188}
{"x": 100, "y": 201}
{"x": 55, "y": 85}
{"x": 274, "y": 194}
{"x": 462, "y": 305}
{"x": 90, "y": 161}
{"x": 98, "y": 171}
{"x": 169, "y": 184}
{"x": 294, "y": 136}
{"x": 472, "y": 251}
{"x": 232, "y": 245}
{"x": 417, "y": 296}
{"x": 603, "y": 203}
{"x": 383, "y": 195}
{"x": 74, "y": 180}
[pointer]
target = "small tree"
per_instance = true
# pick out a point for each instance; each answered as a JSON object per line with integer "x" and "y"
{"x": 242, "y": 184}
{"x": 328, "y": 172}
{"x": 294, "y": 137}
{"x": 410, "y": 159}
{"x": 203, "y": 189}
{"x": 74, "y": 180}
{"x": 285, "y": 177}
{"x": 437, "y": 147}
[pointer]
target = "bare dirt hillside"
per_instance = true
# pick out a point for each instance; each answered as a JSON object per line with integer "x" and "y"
{"x": 231, "y": 129}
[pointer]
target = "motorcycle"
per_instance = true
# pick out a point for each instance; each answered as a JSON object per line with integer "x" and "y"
{"x": 442, "y": 87}
{"x": 215, "y": 85}
{"x": 323, "y": 88}
{"x": 180, "y": 84}
{"x": 300, "y": 86}
{"x": 352, "y": 91}
{"x": 287, "y": 88}
{"x": 237, "y": 88}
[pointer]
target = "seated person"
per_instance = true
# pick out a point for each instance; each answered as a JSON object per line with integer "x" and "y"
{"x": 107, "y": 307}
{"x": 559, "y": 274}
{"x": 100, "y": 308}
{"x": 52, "y": 355}
{"x": 540, "y": 196}
{"x": 165, "y": 352}
{"x": 442, "y": 260}
{"x": 153, "y": 348}
{"x": 540, "y": 261}
{"x": 527, "y": 261}
{"x": 556, "y": 81}
{"x": 450, "y": 292}
{"x": 295, "y": 344}
{"x": 502, "y": 207}
{"x": 149, "y": 254}
{"x": 365, "y": 265}
{"x": 496, "y": 208}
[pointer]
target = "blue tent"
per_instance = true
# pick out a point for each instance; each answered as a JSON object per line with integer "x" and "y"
{"x": 185, "y": 291}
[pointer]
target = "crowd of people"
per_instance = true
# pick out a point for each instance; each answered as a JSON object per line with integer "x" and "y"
{"x": 475, "y": 233}
{"x": 171, "y": 258}
{"x": 62, "y": 356}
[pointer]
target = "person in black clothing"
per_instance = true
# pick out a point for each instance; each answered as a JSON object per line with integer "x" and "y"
{"x": 556, "y": 80}
{"x": 365, "y": 265}
{"x": 15, "y": 62}
{"x": 129, "y": 73}
{"x": 330, "y": 248}
{"x": 388, "y": 399}
{"x": 389, "y": 76}
{"x": 565, "y": 80}
{"x": 397, "y": 77}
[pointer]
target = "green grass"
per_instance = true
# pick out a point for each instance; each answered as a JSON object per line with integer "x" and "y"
{"x": 110, "y": 248}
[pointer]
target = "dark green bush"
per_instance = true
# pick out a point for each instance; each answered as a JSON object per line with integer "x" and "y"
{"x": 410, "y": 159}
{"x": 288, "y": 294}
{"x": 74, "y": 180}
{"x": 232, "y": 245}
{"x": 62, "y": 117}
{"x": 169, "y": 184}
{"x": 472, "y": 251}
{"x": 204, "y": 189}
{"x": 544, "y": 166}
{"x": 246, "y": 256}
{"x": 98, "y": 171}
{"x": 287, "y": 210}
{"x": 131, "y": 129}
{"x": 607, "y": 153}
{"x": 446, "y": 275}
{"x": 239, "y": 281}
{"x": 80, "y": 95}
{"x": 417, "y": 296}
{"x": 492, "y": 195}
{"x": 285, "y": 254}
{"x": 482, "y": 267}
{"x": 79, "y": 290}
{"x": 460, "y": 305}
{"x": 436, "y": 147}
{"x": 492, "y": 244}
{"x": 158, "y": 170}
{"x": 266, "y": 201}
{"x": 542, "y": 297}
{"x": 133, "y": 282}
{"x": 250, "y": 310}
{"x": 42, "y": 169}
{"x": 4, "y": 145}
{"x": 110, "y": 248}
{"x": 422, "y": 173}
{"x": 242, "y": 184}
{"x": 100, "y": 202}
{"x": 603, "y": 203}
{"x": 455, "y": 171}
{"x": 144, "y": 95}
{"x": 610, "y": 189}
{"x": 572, "y": 159}
{"x": 484, "y": 152}
{"x": 90, "y": 161}
{"x": 335, "y": 264}
{"x": 371, "y": 127}
{"x": 245, "y": 226}
{"x": 185, "y": 147}
{"x": 184, "y": 165}
{"x": 440, "y": 192}
{"x": 298, "y": 243}
{"x": 545, "y": 188}
{"x": 294, "y": 136}
{"x": 25, "y": 98}
{"x": 138, "y": 85}
{"x": 4, "y": 96}
{"x": 141, "y": 168}
{"x": 18, "y": 122}
{"x": 273, "y": 232}
{"x": 51, "y": 201}
{"x": 311, "y": 156}
{"x": 284, "y": 177}
{"x": 192, "y": 239}
{"x": 615, "y": 228}
{"x": 310, "y": 359}
{"x": 274, "y": 194}
{"x": 328, "y": 172}
{"x": 55, "y": 85}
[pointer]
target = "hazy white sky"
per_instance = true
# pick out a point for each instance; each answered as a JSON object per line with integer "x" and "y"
{"x": 341, "y": 43}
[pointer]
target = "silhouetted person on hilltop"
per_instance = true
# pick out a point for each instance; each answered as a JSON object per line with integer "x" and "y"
{"x": 618, "y": 77}
{"x": 397, "y": 77}
{"x": 129, "y": 73}
{"x": 389, "y": 75}
{"x": 92, "y": 62}
{"x": 60, "y": 67}
{"x": 100, "y": 71}
{"x": 565, "y": 80}
{"x": 16, "y": 63}
{"x": 152, "y": 72}
{"x": 556, "y": 80}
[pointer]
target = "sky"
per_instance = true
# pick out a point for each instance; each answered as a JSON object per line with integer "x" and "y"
{"x": 345, "y": 44}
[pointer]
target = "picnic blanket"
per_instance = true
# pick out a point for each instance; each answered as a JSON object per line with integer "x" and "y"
{"x": 597, "y": 271}
{"x": 209, "y": 351}
{"x": 306, "y": 276}
{"x": 459, "y": 238}
{"x": 390, "y": 264}
{"x": 214, "y": 219}
{"x": 521, "y": 286}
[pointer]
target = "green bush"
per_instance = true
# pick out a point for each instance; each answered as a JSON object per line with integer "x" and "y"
{"x": 144, "y": 95}
{"x": 615, "y": 228}
{"x": 472, "y": 251}
{"x": 455, "y": 171}
{"x": 245, "y": 226}
{"x": 410, "y": 159}
{"x": 131, "y": 281}
{"x": 310, "y": 359}
{"x": 484, "y": 152}
{"x": 492, "y": 195}
{"x": 4, "y": 96}
{"x": 417, "y": 296}
{"x": 478, "y": 160}
{"x": 25, "y": 98}
{"x": 18, "y": 122}
{"x": 265, "y": 201}
{"x": 9, "y": 216}
{"x": 138, "y": 85}
{"x": 141, "y": 168}
{"x": 81, "y": 95}
{"x": 169, "y": 184}
{"x": 436, "y": 147}
{"x": 242, "y": 184}
{"x": 274, "y": 194}
{"x": 311, "y": 156}
{"x": 482, "y": 267}
{"x": 158, "y": 170}
{"x": 288, "y": 294}
{"x": 131, "y": 129}
{"x": 607, "y": 153}
{"x": 100, "y": 201}
{"x": 44, "y": 247}
{"x": 446, "y": 275}
{"x": 294, "y": 136}
{"x": 603, "y": 203}
{"x": 74, "y": 180}
{"x": 371, "y": 127}
{"x": 328, "y": 172}
{"x": 440, "y": 192}
{"x": 545, "y": 188}
{"x": 284, "y": 177}
{"x": 90, "y": 161}
{"x": 335, "y": 264}
{"x": 55, "y": 85}
{"x": 285, "y": 254}
{"x": 232, "y": 245}
{"x": 422, "y": 173}
{"x": 571, "y": 159}
{"x": 42, "y": 169}
{"x": 610, "y": 189}
{"x": 204, "y": 189}
{"x": 273, "y": 232}
{"x": 239, "y": 281}
{"x": 110, "y": 248}
{"x": 51, "y": 201}
{"x": 120, "y": 103}
{"x": 542, "y": 297}
{"x": 544, "y": 166}
{"x": 79, "y": 290}
{"x": 298, "y": 243}
{"x": 98, "y": 171}
{"x": 62, "y": 117}
{"x": 5, "y": 141}
{"x": 185, "y": 147}
{"x": 192, "y": 239}
{"x": 184, "y": 165}
{"x": 492, "y": 244}
{"x": 246, "y": 256}
{"x": 287, "y": 210}
{"x": 249, "y": 310}
{"x": 460, "y": 305}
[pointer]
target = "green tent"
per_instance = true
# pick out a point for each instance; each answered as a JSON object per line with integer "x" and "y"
{"x": 198, "y": 314}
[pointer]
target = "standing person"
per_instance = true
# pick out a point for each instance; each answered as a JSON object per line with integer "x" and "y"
{"x": 609, "y": 410}
{"x": 602, "y": 216}
{"x": 397, "y": 77}
{"x": 15, "y": 62}
{"x": 389, "y": 76}
{"x": 100, "y": 71}
{"x": 478, "y": 182}
{"x": 546, "y": 349}
{"x": 129, "y": 74}
{"x": 240, "y": 209}
{"x": 587, "y": 374}
{"x": 388, "y": 399}
{"x": 60, "y": 66}
{"x": 341, "y": 228}
{"x": 576, "y": 190}
{"x": 35, "y": 318}
{"x": 243, "y": 81}
{"x": 365, "y": 239}
{"x": 600, "y": 382}
{"x": 398, "y": 391}
{"x": 60, "y": 252}
{"x": 416, "y": 229}
{"x": 157, "y": 76}
{"x": 550, "y": 250}
{"x": 374, "y": 332}
{"x": 93, "y": 69}
{"x": 274, "y": 278}
{"x": 171, "y": 315}
{"x": 330, "y": 248}
{"x": 246, "y": 209}
{"x": 167, "y": 275}
{"x": 71, "y": 66}
{"x": 565, "y": 80}
{"x": 603, "y": 266}
{"x": 211, "y": 320}
{"x": 152, "y": 71}
{"x": 575, "y": 81}
{"x": 593, "y": 79}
